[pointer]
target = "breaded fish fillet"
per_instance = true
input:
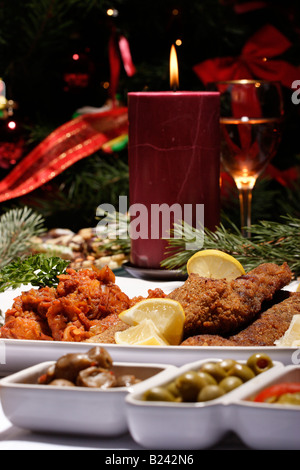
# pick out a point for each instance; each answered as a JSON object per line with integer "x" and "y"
{"x": 264, "y": 331}
{"x": 217, "y": 306}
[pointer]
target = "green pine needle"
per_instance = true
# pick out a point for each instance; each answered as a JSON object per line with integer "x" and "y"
{"x": 270, "y": 242}
{"x": 17, "y": 227}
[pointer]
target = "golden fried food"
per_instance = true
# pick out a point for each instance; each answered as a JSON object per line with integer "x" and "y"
{"x": 207, "y": 340}
{"x": 86, "y": 305}
{"x": 269, "y": 326}
{"x": 217, "y": 306}
{"x": 105, "y": 331}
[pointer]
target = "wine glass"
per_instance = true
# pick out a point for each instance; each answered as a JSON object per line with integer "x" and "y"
{"x": 251, "y": 121}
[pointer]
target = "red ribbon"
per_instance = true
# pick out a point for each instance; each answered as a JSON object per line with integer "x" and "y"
{"x": 76, "y": 139}
{"x": 118, "y": 48}
{"x": 254, "y": 61}
{"x": 126, "y": 56}
{"x": 68, "y": 144}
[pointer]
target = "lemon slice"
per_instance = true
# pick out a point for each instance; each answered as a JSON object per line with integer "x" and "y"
{"x": 215, "y": 264}
{"x": 298, "y": 288}
{"x": 167, "y": 315}
{"x": 143, "y": 334}
{"x": 292, "y": 335}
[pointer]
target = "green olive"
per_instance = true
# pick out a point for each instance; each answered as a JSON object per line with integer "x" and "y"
{"x": 158, "y": 394}
{"x": 189, "y": 384}
{"x": 214, "y": 369}
{"x": 208, "y": 379}
{"x": 227, "y": 364}
{"x": 171, "y": 387}
{"x": 210, "y": 392}
{"x": 242, "y": 371}
{"x": 230, "y": 383}
{"x": 259, "y": 363}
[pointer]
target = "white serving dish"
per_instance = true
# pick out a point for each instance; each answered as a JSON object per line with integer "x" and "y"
{"x": 72, "y": 410}
{"x": 266, "y": 426}
{"x": 16, "y": 354}
{"x": 169, "y": 425}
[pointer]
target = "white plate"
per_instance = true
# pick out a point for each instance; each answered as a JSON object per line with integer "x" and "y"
{"x": 16, "y": 355}
{"x": 173, "y": 425}
{"x": 72, "y": 410}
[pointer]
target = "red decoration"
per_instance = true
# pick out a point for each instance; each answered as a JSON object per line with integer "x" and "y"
{"x": 10, "y": 153}
{"x": 118, "y": 48}
{"x": 287, "y": 178}
{"x": 256, "y": 61}
{"x": 245, "y": 6}
{"x": 70, "y": 143}
{"x": 249, "y": 6}
{"x": 77, "y": 80}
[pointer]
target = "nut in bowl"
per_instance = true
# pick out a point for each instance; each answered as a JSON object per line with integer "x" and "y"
{"x": 70, "y": 396}
{"x": 187, "y": 418}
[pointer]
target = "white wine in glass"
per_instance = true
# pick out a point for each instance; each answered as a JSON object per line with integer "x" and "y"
{"x": 251, "y": 121}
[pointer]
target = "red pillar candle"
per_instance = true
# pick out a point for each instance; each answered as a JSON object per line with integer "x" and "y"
{"x": 174, "y": 158}
{"x": 174, "y": 164}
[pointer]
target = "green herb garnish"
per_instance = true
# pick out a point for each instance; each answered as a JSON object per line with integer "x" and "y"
{"x": 38, "y": 270}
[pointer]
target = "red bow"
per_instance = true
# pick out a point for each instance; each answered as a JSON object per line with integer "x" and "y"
{"x": 254, "y": 61}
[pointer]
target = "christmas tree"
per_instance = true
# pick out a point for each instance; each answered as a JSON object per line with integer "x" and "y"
{"x": 56, "y": 57}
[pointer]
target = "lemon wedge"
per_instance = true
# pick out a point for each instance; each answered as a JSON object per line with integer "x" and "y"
{"x": 298, "y": 288}
{"x": 215, "y": 264}
{"x": 292, "y": 335}
{"x": 167, "y": 315}
{"x": 143, "y": 334}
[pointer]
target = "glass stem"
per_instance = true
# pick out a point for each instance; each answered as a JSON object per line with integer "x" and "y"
{"x": 245, "y": 196}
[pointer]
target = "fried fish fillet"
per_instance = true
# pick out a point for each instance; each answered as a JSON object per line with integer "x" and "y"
{"x": 217, "y": 306}
{"x": 264, "y": 331}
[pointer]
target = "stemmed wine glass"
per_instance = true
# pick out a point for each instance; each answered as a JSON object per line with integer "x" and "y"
{"x": 251, "y": 121}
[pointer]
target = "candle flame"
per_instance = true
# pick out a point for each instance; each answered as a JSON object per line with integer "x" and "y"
{"x": 174, "y": 74}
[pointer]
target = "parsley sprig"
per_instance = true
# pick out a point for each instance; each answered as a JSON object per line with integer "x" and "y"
{"x": 38, "y": 270}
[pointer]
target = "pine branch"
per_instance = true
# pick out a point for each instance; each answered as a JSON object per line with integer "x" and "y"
{"x": 76, "y": 193}
{"x": 17, "y": 227}
{"x": 114, "y": 232}
{"x": 270, "y": 242}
